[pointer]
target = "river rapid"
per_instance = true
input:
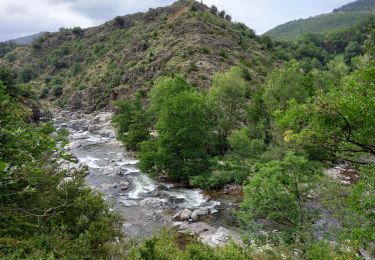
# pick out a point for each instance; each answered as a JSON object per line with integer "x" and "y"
{"x": 145, "y": 204}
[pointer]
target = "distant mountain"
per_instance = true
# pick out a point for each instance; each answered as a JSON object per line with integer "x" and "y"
{"x": 28, "y": 39}
{"x": 340, "y": 18}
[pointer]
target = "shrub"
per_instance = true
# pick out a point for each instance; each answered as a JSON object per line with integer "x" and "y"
{"x": 78, "y": 31}
{"x": 213, "y": 9}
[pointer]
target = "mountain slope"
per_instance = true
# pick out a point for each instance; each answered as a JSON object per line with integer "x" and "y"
{"x": 90, "y": 67}
{"x": 28, "y": 39}
{"x": 341, "y": 18}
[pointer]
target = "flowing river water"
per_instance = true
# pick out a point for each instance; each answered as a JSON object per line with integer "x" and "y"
{"x": 145, "y": 204}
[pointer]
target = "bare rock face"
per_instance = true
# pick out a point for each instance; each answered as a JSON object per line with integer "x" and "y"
{"x": 212, "y": 236}
{"x": 220, "y": 237}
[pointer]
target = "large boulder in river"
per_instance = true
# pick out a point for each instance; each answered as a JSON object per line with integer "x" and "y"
{"x": 194, "y": 217}
{"x": 185, "y": 215}
{"x": 153, "y": 203}
{"x": 201, "y": 212}
{"x": 221, "y": 237}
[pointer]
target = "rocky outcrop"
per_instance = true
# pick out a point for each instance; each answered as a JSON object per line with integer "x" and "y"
{"x": 214, "y": 237}
{"x": 155, "y": 203}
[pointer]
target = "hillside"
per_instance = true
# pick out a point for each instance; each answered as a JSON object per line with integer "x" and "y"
{"x": 28, "y": 39}
{"x": 340, "y": 18}
{"x": 87, "y": 68}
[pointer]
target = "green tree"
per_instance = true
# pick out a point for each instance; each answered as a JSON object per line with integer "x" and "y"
{"x": 132, "y": 122}
{"x": 340, "y": 121}
{"x": 226, "y": 102}
{"x": 180, "y": 148}
{"x": 43, "y": 215}
{"x": 284, "y": 84}
{"x": 275, "y": 199}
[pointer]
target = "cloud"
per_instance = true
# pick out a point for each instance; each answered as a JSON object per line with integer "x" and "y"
{"x": 19, "y": 18}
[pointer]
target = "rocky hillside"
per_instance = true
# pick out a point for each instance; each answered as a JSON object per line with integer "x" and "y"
{"x": 86, "y": 69}
{"x": 341, "y": 18}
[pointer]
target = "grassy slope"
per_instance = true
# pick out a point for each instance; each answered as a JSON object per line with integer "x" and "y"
{"x": 339, "y": 19}
{"x": 110, "y": 61}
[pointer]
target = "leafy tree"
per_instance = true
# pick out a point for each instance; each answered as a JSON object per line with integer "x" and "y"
{"x": 340, "y": 121}
{"x": 42, "y": 214}
{"x": 275, "y": 199}
{"x": 180, "y": 148}
{"x": 132, "y": 122}
{"x": 243, "y": 145}
{"x": 78, "y": 31}
{"x": 214, "y": 9}
{"x": 284, "y": 84}
{"x": 228, "y": 17}
{"x": 226, "y": 103}
{"x": 222, "y": 13}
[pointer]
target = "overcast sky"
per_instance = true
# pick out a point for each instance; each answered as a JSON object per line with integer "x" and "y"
{"x": 19, "y": 18}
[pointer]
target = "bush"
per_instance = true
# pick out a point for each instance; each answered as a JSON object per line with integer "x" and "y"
{"x": 57, "y": 90}
{"x": 78, "y": 31}
{"x": 119, "y": 21}
{"x": 275, "y": 199}
{"x": 213, "y": 9}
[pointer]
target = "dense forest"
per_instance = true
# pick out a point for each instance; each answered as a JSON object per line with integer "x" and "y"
{"x": 339, "y": 19}
{"x": 271, "y": 131}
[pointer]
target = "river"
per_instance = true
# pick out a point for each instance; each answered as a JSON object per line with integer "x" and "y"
{"x": 145, "y": 204}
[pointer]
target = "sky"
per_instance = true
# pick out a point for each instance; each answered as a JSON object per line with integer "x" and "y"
{"x": 20, "y": 18}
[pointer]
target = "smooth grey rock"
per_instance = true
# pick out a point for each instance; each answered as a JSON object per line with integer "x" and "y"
{"x": 194, "y": 217}
{"x": 185, "y": 215}
{"x": 124, "y": 185}
{"x": 201, "y": 212}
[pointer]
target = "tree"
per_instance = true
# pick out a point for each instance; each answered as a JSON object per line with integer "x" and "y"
{"x": 275, "y": 198}
{"x": 132, "y": 122}
{"x": 340, "y": 121}
{"x": 213, "y": 9}
{"x": 243, "y": 145}
{"x": 180, "y": 148}
{"x": 226, "y": 103}
{"x": 42, "y": 214}
{"x": 284, "y": 84}
{"x": 228, "y": 17}
{"x": 78, "y": 31}
{"x": 222, "y": 13}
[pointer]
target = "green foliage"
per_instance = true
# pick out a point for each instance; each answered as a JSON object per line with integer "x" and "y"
{"x": 179, "y": 150}
{"x": 339, "y": 19}
{"x": 43, "y": 215}
{"x": 166, "y": 246}
{"x": 78, "y": 31}
{"x": 337, "y": 121}
{"x": 132, "y": 122}
{"x": 213, "y": 9}
{"x": 275, "y": 199}
{"x": 226, "y": 103}
{"x": 242, "y": 145}
{"x": 287, "y": 83}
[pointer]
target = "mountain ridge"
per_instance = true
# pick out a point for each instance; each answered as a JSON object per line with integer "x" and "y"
{"x": 89, "y": 68}
{"x": 340, "y": 18}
